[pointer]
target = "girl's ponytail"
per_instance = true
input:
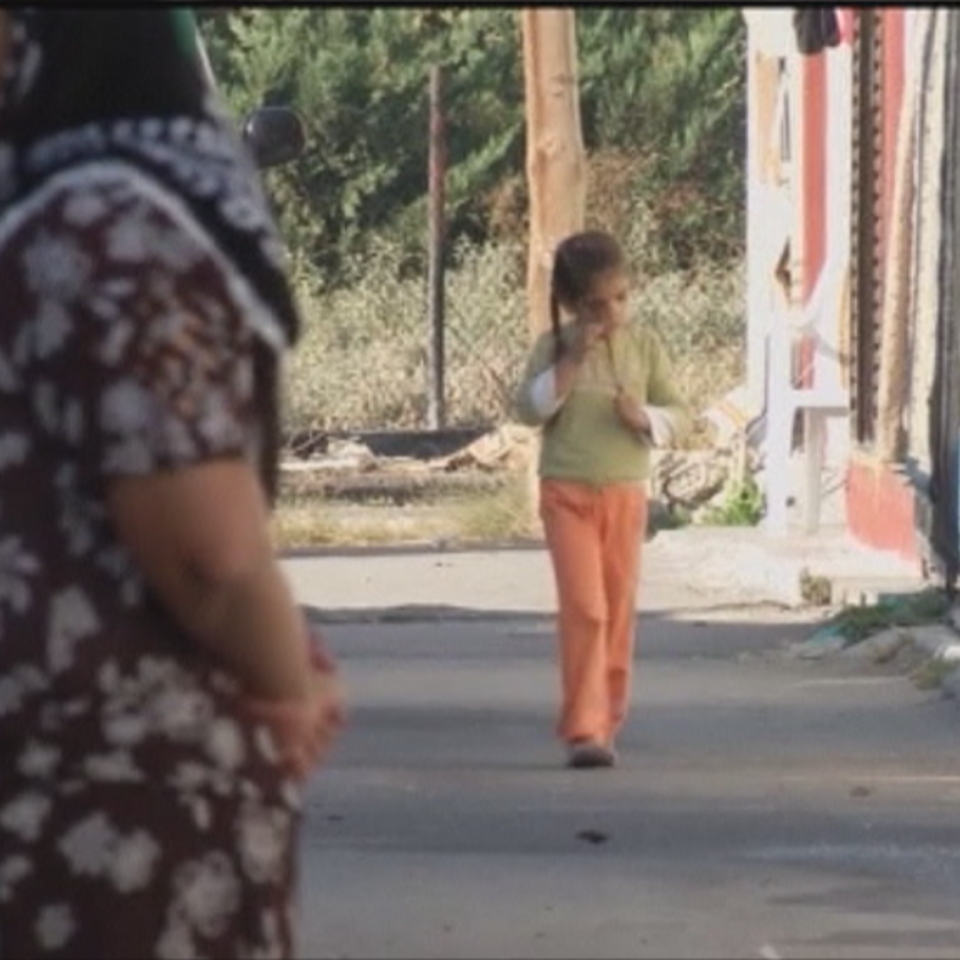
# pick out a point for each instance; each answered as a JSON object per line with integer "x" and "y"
{"x": 555, "y": 326}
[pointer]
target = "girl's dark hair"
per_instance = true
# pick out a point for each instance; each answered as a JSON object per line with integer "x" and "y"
{"x": 577, "y": 261}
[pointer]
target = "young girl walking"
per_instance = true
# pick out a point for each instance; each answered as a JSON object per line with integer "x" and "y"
{"x": 601, "y": 388}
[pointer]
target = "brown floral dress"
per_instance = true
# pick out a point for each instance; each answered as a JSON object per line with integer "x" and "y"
{"x": 141, "y": 813}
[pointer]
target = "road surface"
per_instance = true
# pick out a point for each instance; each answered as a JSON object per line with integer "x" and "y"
{"x": 763, "y": 807}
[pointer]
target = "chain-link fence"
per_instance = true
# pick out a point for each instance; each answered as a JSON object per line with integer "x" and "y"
{"x": 362, "y": 364}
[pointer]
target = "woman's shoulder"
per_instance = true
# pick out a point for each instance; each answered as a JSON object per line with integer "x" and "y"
{"x": 78, "y": 195}
{"x": 104, "y": 240}
{"x": 84, "y": 201}
{"x": 105, "y": 223}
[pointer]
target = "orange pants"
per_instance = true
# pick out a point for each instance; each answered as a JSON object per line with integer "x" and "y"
{"x": 594, "y": 535}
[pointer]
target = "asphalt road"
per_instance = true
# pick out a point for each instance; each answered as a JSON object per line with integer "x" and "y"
{"x": 763, "y": 807}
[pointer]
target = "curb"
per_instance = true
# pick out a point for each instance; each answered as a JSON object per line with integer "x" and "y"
{"x": 944, "y": 647}
{"x": 940, "y": 643}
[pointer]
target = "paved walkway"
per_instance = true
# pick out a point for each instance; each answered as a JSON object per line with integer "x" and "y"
{"x": 725, "y": 566}
{"x": 764, "y": 806}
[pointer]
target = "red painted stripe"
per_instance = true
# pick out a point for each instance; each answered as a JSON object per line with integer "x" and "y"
{"x": 880, "y": 509}
{"x": 813, "y": 190}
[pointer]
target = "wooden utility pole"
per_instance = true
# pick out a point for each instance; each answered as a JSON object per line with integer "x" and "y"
{"x": 556, "y": 167}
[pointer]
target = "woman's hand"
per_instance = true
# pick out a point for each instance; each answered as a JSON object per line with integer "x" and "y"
{"x": 305, "y": 730}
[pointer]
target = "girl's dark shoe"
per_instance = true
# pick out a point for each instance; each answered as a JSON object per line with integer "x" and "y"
{"x": 588, "y": 754}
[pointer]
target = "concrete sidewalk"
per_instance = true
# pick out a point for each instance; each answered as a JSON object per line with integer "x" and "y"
{"x": 718, "y": 566}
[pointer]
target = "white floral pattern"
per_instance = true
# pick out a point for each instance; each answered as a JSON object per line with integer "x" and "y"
{"x": 262, "y": 842}
{"x": 14, "y": 448}
{"x": 134, "y": 770}
{"x": 18, "y": 568}
{"x": 9, "y": 381}
{"x": 134, "y": 861}
{"x": 18, "y": 687}
{"x": 176, "y": 942}
{"x": 39, "y": 761}
{"x": 207, "y": 892}
{"x": 12, "y": 872}
{"x": 116, "y": 767}
{"x": 24, "y": 816}
{"x": 56, "y": 270}
{"x": 86, "y": 846}
{"x": 79, "y": 515}
{"x": 56, "y": 925}
{"x": 225, "y": 744}
{"x": 72, "y": 619}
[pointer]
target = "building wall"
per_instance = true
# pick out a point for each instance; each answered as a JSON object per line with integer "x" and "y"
{"x": 880, "y": 498}
{"x": 769, "y": 33}
{"x": 822, "y": 91}
{"x": 817, "y": 217}
{"x": 835, "y": 245}
{"x": 925, "y": 286}
{"x": 804, "y": 202}
{"x": 880, "y": 506}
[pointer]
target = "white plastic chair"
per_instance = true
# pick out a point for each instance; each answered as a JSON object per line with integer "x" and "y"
{"x": 825, "y": 398}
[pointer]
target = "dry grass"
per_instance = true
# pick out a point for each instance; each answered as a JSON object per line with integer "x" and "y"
{"x": 362, "y": 362}
{"x": 701, "y": 321}
{"x": 362, "y": 365}
{"x": 315, "y": 521}
{"x": 500, "y": 515}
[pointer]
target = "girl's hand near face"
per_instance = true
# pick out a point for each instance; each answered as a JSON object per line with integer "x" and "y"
{"x": 586, "y": 335}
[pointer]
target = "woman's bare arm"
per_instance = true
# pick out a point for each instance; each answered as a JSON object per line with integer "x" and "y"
{"x": 201, "y": 537}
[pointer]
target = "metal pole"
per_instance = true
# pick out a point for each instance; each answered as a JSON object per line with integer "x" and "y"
{"x": 436, "y": 414}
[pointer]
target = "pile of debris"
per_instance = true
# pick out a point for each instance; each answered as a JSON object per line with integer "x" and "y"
{"x": 683, "y": 480}
{"x": 347, "y": 468}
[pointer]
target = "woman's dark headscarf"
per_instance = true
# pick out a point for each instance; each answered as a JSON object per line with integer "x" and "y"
{"x": 127, "y": 84}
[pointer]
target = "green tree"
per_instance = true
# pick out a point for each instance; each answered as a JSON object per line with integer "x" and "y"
{"x": 359, "y": 77}
{"x": 668, "y": 85}
{"x": 661, "y": 86}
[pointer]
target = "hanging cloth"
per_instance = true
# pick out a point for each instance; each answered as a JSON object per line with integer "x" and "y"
{"x": 817, "y": 28}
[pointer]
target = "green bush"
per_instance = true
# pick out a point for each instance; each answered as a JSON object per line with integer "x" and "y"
{"x": 743, "y": 506}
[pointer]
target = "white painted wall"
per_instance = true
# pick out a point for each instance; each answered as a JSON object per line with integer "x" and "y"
{"x": 769, "y": 34}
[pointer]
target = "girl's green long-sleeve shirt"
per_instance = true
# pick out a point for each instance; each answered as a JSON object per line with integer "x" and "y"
{"x": 584, "y": 440}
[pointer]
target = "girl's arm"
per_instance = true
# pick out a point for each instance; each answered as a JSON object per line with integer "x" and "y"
{"x": 664, "y": 418}
{"x": 536, "y": 394}
{"x": 547, "y": 382}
